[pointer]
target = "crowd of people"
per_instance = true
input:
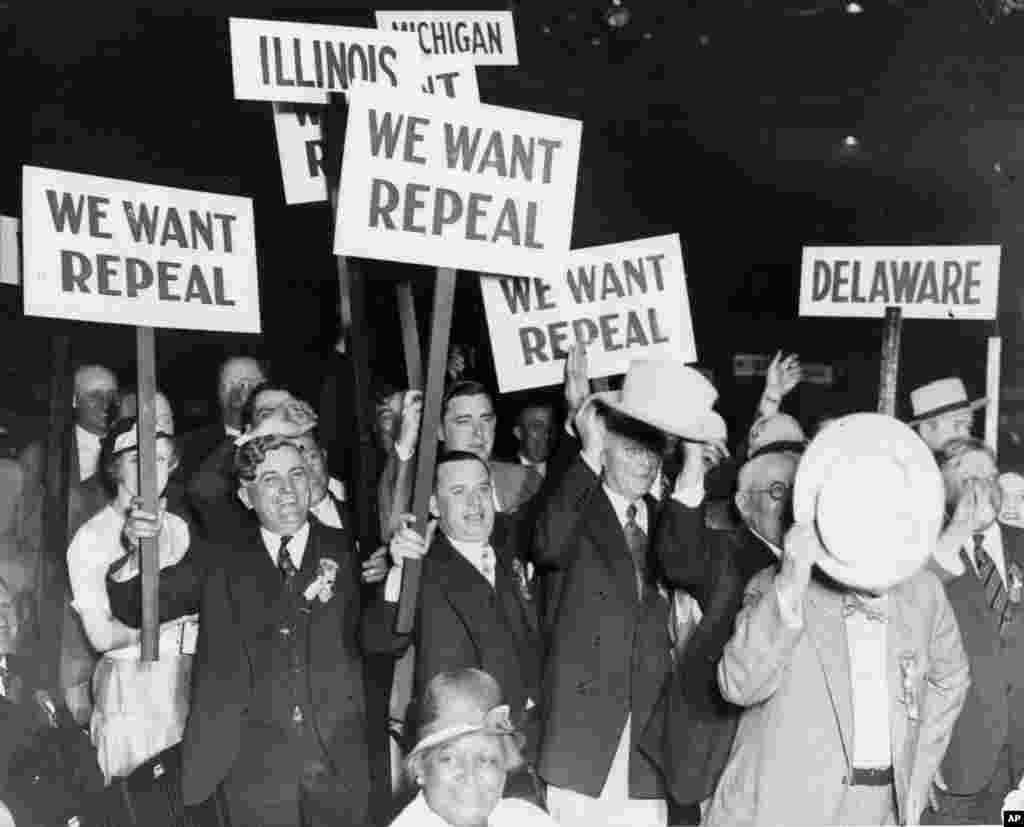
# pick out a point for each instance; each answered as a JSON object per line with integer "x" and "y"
{"x": 633, "y": 621}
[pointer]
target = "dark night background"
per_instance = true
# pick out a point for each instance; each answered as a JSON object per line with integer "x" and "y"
{"x": 722, "y": 120}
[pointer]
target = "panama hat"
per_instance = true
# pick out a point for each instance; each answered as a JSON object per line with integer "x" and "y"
{"x": 669, "y": 396}
{"x": 872, "y": 488}
{"x": 941, "y": 397}
{"x": 777, "y": 432}
{"x": 463, "y": 702}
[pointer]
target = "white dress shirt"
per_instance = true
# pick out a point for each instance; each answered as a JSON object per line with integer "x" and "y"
{"x": 993, "y": 543}
{"x": 540, "y": 467}
{"x": 296, "y": 547}
{"x": 866, "y": 640}
{"x": 327, "y": 512}
{"x": 620, "y": 504}
{"x": 88, "y": 452}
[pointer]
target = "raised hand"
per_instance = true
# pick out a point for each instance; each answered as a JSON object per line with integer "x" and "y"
{"x": 784, "y": 374}
{"x": 577, "y": 381}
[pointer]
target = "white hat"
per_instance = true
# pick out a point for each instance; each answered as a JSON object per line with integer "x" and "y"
{"x": 941, "y": 397}
{"x": 669, "y": 396}
{"x": 876, "y": 495}
{"x": 780, "y": 431}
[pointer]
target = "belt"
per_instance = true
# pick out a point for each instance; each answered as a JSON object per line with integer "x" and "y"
{"x": 871, "y": 777}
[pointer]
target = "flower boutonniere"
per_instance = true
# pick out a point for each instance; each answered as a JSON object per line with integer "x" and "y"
{"x": 322, "y": 586}
{"x": 1016, "y": 579}
{"x": 908, "y": 675}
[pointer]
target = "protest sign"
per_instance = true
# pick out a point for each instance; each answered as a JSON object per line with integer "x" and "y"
{"x": 300, "y": 135}
{"x": 925, "y": 282}
{"x": 10, "y": 253}
{"x": 425, "y": 180}
{"x": 304, "y": 62}
{"x": 487, "y": 37}
{"x": 625, "y": 301}
{"x": 107, "y": 250}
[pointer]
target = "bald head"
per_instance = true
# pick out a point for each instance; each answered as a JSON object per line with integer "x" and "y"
{"x": 95, "y": 395}
{"x": 765, "y": 494}
{"x": 238, "y": 376}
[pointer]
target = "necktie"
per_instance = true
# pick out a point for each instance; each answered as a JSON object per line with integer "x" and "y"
{"x": 995, "y": 590}
{"x": 854, "y": 603}
{"x": 636, "y": 540}
{"x": 487, "y": 564}
{"x": 284, "y": 562}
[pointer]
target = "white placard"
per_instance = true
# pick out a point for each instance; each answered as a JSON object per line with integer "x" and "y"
{"x": 625, "y": 301}
{"x": 300, "y": 137}
{"x": 926, "y": 282}
{"x": 425, "y": 180}
{"x": 488, "y": 38}
{"x": 121, "y": 252}
{"x": 305, "y": 62}
{"x": 10, "y": 253}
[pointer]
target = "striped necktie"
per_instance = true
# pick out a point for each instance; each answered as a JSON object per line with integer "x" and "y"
{"x": 988, "y": 574}
{"x": 284, "y": 562}
{"x": 636, "y": 540}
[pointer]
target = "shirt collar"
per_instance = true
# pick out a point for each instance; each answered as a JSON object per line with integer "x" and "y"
{"x": 232, "y": 431}
{"x": 620, "y": 504}
{"x": 86, "y": 436}
{"x": 774, "y": 549}
{"x": 469, "y": 549}
{"x": 296, "y": 548}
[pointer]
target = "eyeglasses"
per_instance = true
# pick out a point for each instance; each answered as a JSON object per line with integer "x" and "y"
{"x": 778, "y": 491}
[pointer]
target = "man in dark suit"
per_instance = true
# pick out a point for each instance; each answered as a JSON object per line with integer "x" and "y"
{"x": 608, "y": 654}
{"x": 714, "y": 567}
{"x": 277, "y": 712}
{"x": 985, "y": 758}
{"x": 475, "y": 606}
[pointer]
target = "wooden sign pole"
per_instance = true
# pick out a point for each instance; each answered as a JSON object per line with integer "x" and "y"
{"x": 995, "y": 357}
{"x": 888, "y": 379}
{"x": 437, "y": 362}
{"x": 410, "y": 335}
{"x": 149, "y": 556}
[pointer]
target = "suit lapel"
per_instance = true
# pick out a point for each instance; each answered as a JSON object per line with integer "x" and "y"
{"x": 827, "y": 630}
{"x": 503, "y": 543}
{"x": 254, "y": 584}
{"x": 464, "y": 587}
{"x": 610, "y": 540}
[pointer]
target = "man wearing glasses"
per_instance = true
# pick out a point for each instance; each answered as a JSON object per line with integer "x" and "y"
{"x": 714, "y": 567}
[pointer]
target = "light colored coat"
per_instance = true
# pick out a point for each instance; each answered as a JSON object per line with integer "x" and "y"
{"x": 793, "y": 751}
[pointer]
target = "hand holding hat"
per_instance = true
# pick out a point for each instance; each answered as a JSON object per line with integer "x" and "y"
{"x": 292, "y": 418}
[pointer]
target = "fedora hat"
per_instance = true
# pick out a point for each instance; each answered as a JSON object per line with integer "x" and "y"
{"x": 463, "y": 702}
{"x": 669, "y": 396}
{"x": 941, "y": 397}
{"x": 872, "y": 488}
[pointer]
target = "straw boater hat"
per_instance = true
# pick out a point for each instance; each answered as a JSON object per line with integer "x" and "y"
{"x": 461, "y": 703}
{"x": 875, "y": 494}
{"x": 668, "y": 396}
{"x": 940, "y": 397}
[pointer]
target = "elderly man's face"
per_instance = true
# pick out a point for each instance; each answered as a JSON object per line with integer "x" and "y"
{"x": 464, "y": 779}
{"x": 280, "y": 493}
{"x": 95, "y": 398}
{"x": 630, "y": 468}
{"x": 465, "y": 500}
{"x": 940, "y": 430}
{"x": 164, "y": 414}
{"x": 534, "y": 433}
{"x": 9, "y": 622}
{"x": 469, "y": 424}
{"x": 316, "y": 464}
{"x": 237, "y": 379}
{"x": 973, "y": 478}
{"x": 765, "y": 496}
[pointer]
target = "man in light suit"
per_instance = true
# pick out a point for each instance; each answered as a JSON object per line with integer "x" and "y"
{"x": 850, "y": 693}
{"x": 985, "y": 759}
{"x": 468, "y": 424}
